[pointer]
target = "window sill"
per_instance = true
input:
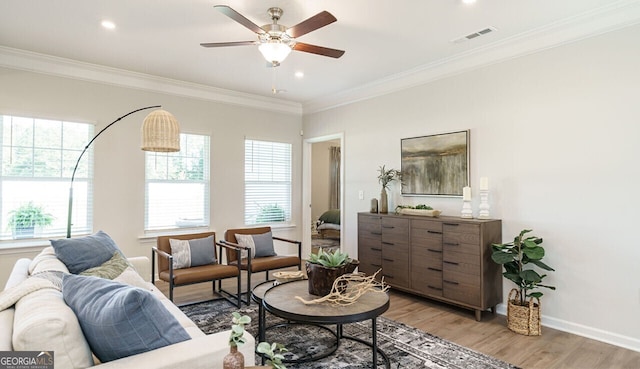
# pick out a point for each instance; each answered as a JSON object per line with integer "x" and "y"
{"x": 23, "y": 246}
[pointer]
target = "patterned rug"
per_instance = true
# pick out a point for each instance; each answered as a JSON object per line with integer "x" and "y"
{"x": 406, "y": 347}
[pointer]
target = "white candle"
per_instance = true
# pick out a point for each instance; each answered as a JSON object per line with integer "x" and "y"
{"x": 484, "y": 183}
{"x": 466, "y": 193}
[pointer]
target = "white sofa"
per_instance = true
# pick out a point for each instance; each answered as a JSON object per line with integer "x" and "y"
{"x": 41, "y": 321}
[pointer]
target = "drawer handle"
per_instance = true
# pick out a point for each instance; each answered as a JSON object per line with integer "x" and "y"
{"x": 377, "y": 265}
{"x": 377, "y": 233}
{"x": 388, "y": 243}
{"x": 376, "y": 249}
{"x": 452, "y": 224}
{"x": 451, "y": 244}
{"x": 451, "y": 262}
{"x": 389, "y": 227}
{"x": 434, "y": 232}
{"x": 388, "y": 275}
{"x": 434, "y": 288}
{"x": 450, "y": 282}
{"x": 434, "y": 269}
{"x": 385, "y": 259}
{"x": 434, "y": 250}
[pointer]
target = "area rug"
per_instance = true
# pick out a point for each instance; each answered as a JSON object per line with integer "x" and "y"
{"x": 406, "y": 347}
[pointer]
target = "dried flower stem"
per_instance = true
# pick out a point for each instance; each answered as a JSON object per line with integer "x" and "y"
{"x": 357, "y": 285}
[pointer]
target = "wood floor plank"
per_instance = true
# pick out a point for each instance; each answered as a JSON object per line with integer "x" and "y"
{"x": 553, "y": 350}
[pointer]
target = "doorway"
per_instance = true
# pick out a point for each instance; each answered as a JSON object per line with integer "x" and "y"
{"x": 322, "y": 193}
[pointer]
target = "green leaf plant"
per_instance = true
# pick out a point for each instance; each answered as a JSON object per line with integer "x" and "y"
{"x": 330, "y": 259}
{"x": 515, "y": 257}
{"x": 273, "y": 352}
{"x": 237, "y": 329}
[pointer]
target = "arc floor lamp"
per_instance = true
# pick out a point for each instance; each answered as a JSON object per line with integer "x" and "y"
{"x": 160, "y": 133}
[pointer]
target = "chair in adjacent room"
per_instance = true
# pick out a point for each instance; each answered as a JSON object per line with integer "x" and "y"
{"x": 258, "y": 253}
{"x": 192, "y": 258}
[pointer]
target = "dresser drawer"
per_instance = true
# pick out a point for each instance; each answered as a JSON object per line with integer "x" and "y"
{"x": 462, "y": 263}
{"x": 395, "y": 230}
{"x": 427, "y": 281}
{"x": 369, "y": 228}
{"x": 461, "y": 292}
{"x": 456, "y": 277}
{"x": 461, "y": 228}
{"x": 426, "y": 225}
{"x": 457, "y": 247}
{"x": 426, "y": 257}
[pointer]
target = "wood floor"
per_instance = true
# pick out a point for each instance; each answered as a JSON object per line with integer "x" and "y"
{"x": 553, "y": 350}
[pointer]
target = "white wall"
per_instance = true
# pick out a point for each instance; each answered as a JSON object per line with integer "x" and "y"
{"x": 119, "y": 162}
{"x": 556, "y": 133}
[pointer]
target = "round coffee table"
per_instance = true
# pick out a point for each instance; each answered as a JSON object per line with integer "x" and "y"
{"x": 280, "y": 301}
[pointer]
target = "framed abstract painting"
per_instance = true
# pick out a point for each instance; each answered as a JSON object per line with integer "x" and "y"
{"x": 435, "y": 165}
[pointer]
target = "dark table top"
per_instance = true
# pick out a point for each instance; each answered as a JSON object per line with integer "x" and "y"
{"x": 280, "y": 300}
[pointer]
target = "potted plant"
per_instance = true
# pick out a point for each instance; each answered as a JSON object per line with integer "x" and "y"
{"x": 324, "y": 267}
{"x": 234, "y": 359}
{"x": 273, "y": 352}
{"x": 270, "y": 213}
{"x": 519, "y": 259}
{"x": 385, "y": 177}
{"x": 25, "y": 218}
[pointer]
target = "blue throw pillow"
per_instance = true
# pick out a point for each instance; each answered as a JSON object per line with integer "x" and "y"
{"x": 82, "y": 253}
{"x": 119, "y": 320}
{"x": 191, "y": 253}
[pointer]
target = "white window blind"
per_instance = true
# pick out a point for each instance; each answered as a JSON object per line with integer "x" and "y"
{"x": 177, "y": 185}
{"x": 267, "y": 181}
{"x": 38, "y": 156}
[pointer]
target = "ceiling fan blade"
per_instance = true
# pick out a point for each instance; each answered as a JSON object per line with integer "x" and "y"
{"x": 324, "y": 51}
{"x": 224, "y": 9}
{"x": 233, "y": 43}
{"x": 317, "y": 21}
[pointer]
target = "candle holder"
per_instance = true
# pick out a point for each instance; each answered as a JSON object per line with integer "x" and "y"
{"x": 484, "y": 205}
{"x": 466, "y": 209}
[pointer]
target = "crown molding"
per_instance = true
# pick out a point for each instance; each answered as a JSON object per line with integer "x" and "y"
{"x": 61, "y": 67}
{"x": 611, "y": 17}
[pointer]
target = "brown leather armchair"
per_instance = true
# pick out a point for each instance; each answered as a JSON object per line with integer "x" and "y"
{"x": 259, "y": 264}
{"x": 198, "y": 274}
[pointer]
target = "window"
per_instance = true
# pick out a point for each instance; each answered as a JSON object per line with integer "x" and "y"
{"x": 177, "y": 185}
{"x": 38, "y": 156}
{"x": 267, "y": 182}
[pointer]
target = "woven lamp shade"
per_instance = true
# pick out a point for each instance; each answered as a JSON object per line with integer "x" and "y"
{"x": 160, "y": 132}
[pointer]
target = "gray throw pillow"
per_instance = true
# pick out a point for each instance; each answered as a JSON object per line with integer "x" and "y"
{"x": 120, "y": 320}
{"x": 191, "y": 253}
{"x": 261, "y": 245}
{"x": 82, "y": 253}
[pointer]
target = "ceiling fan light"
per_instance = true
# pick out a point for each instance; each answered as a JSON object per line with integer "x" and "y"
{"x": 274, "y": 52}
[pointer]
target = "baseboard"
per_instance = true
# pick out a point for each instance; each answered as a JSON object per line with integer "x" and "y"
{"x": 584, "y": 331}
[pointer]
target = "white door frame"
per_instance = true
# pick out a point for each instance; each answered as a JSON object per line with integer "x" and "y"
{"x": 306, "y": 188}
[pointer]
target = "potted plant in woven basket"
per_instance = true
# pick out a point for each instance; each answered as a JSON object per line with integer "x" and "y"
{"x": 234, "y": 359}
{"x": 519, "y": 259}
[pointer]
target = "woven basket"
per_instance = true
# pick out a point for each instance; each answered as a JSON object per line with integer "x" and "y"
{"x": 523, "y": 319}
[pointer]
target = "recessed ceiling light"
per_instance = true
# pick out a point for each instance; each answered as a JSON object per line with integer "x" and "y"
{"x": 468, "y": 1}
{"x": 299, "y": 74}
{"x": 108, "y": 24}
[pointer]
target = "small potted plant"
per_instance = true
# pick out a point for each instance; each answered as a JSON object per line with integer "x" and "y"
{"x": 270, "y": 214}
{"x": 273, "y": 352}
{"x": 234, "y": 359}
{"x": 324, "y": 267}
{"x": 385, "y": 177}
{"x": 519, "y": 259}
{"x": 25, "y": 218}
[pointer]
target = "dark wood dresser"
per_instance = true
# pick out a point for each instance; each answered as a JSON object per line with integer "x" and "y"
{"x": 444, "y": 258}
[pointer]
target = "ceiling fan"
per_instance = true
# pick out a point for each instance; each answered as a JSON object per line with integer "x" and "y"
{"x": 276, "y": 41}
